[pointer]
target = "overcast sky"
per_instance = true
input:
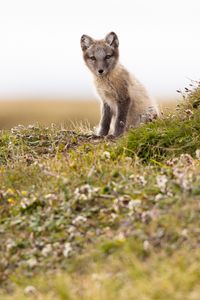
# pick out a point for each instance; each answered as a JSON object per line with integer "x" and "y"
{"x": 40, "y": 51}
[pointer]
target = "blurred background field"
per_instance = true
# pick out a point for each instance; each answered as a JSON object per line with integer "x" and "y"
{"x": 66, "y": 112}
{"x": 42, "y": 73}
{"x": 44, "y": 112}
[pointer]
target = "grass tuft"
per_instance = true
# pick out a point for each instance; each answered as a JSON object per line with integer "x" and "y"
{"x": 167, "y": 137}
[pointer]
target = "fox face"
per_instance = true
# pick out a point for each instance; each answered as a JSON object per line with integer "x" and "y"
{"x": 100, "y": 56}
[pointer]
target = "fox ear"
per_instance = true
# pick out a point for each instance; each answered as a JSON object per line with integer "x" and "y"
{"x": 112, "y": 39}
{"x": 86, "y": 42}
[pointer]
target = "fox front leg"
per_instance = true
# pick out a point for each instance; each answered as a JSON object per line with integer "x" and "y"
{"x": 122, "y": 112}
{"x": 106, "y": 117}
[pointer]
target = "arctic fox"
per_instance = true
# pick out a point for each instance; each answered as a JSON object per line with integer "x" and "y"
{"x": 125, "y": 102}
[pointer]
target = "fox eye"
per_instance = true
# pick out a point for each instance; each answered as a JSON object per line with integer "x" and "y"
{"x": 108, "y": 56}
{"x": 92, "y": 58}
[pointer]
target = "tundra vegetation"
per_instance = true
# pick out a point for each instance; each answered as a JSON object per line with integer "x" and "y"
{"x": 90, "y": 218}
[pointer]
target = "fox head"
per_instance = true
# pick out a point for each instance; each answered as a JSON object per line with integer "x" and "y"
{"x": 101, "y": 56}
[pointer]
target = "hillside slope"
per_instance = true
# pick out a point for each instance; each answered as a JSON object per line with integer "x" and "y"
{"x": 90, "y": 218}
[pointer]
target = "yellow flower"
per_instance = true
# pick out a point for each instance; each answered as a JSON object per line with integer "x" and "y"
{"x": 10, "y": 191}
{"x": 24, "y": 193}
{"x": 11, "y": 201}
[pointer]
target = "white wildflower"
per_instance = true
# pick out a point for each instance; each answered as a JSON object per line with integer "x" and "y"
{"x": 122, "y": 201}
{"x": 184, "y": 232}
{"x": 67, "y": 250}
{"x": 185, "y": 184}
{"x": 31, "y": 126}
{"x": 183, "y": 178}
{"x": 47, "y": 250}
{"x": 120, "y": 237}
{"x": 146, "y": 245}
{"x": 25, "y": 202}
{"x": 198, "y": 153}
{"x": 186, "y": 159}
{"x": 149, "y": 215}
{"x": 85, "y": 192}
{"x": 105, "y": 155}
{"x": 79, "y": 220}
{"x": 141, "y": 180}
{"x": 32, "y": 262}
{"x": 171, "y": 162}
{"x": 133, "y": 204}
{"x": 10, "y": 244}
{"x": 162, "y": 182}
{"x": 80, "y": 196}
{"x": 30, "y": 290}
{"x": 50, "y": 197}
{"x": 72, "y": 229}
{"x": 170, "y": 194}
{"x": 113, "y": 216}
{"x": 158, "y": 197}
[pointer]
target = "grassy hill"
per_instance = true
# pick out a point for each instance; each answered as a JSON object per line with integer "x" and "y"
{"x": 89, "y": 218}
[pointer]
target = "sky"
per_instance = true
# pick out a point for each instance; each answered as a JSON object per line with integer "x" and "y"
{"x": 40, "y": 54}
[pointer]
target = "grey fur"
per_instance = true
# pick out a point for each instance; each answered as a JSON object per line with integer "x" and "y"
{"x": 122, "y": 112}
{"x": 106, "y": 117}
{"x": 86, "y": 42}
{"x": 125, "y": 102}
{"x": 112, "y": 39}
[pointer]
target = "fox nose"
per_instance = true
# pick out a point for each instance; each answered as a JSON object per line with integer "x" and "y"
{"x": 100, "y": 71}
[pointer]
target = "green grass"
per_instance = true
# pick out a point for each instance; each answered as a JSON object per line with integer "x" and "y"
{"x": 168, "y": 137}
{"x": 88, "y": 218}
